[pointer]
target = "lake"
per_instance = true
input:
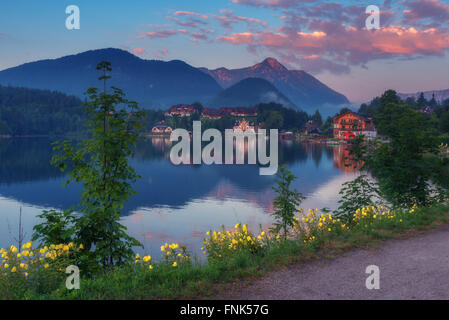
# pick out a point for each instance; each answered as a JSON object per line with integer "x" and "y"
{"x": 173, "y": 203}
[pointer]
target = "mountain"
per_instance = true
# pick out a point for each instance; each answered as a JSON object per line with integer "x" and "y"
{"x": 152, "y": 83}
{"x": 440, "y": 95}
{"x": 249, "y": 92}
{"x": 301, "y": 88}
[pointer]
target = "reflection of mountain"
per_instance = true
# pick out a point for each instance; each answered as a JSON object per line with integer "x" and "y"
{"x": 24, "y": 160}
{"x": 31, "y": 179}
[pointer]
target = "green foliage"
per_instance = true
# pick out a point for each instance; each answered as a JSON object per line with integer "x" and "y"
{"x": 26, "y": 111}
{"x": 274, "y": 120}
{"x": 286, "y": 202}
{"x": 57, "y": 228}
{"x": 100, "y": 164}
{"x": 356, "y": 194}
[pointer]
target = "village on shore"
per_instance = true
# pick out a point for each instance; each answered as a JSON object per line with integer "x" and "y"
{"x": 345, "y": 126}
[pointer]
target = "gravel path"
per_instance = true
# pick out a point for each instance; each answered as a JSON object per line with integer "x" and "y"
{"x": 414, "y": 268}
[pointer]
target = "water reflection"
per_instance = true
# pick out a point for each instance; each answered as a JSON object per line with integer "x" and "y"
{"x": 173, "y": 203}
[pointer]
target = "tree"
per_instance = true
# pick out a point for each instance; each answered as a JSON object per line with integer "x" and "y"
{"x": 316, "y": 117}
{"x": 286, "y": 202}
{"x": 421, "y": 102}
{"x": 101, "y": 165}
{"x": 274, "y": 120}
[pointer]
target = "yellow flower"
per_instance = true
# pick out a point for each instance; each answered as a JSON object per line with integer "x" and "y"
{"x": 263, "y": 233}
{"x": 13, "y": 249}
{"x": 19, "y": 255}
{"x": 46, "y": 265}
{"x": 162, "y": 248}
{"x": 175, "y": 264}
{"x": 14, "y": 269}
{"x": 66, "y": 248}
{"x": 6, "y": 266}
{"x": 81, "y": 246}
{"x": 150, "y": 267}
{"x": 26, "y": 274}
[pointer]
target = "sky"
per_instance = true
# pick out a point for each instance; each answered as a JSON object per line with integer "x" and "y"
{"x": 327, "y": 38}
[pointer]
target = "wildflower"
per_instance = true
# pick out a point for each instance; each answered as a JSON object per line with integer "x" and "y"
{"x": 46, "y": 266}
{"x": 14, "y": 269}
{"x": 175, "y": 264}
{"x": 81, "y": 246}
{"x": 66, "y": 248}
{"x": 150, "y": 267}
{"x": 6, "y": 266}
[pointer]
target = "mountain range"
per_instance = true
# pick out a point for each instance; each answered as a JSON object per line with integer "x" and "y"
{"x": 158, "y": 84}
{"x": 250, "y": 91}
{"x": 300, "y": 87}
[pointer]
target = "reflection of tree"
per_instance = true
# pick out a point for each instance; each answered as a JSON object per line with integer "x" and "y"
{"x": 23, "y": 160}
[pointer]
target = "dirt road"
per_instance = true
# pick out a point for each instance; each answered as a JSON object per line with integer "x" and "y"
{"x": 414, "y": 268}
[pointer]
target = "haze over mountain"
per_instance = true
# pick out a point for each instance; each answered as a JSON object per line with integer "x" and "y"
{"x": 249, "y": 92}
{"x": 301, "y": 88}
{"x": 440, "y": 95}
{"x": 154, "y": 84}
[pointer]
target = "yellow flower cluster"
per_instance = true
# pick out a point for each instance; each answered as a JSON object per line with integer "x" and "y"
{"x": 219, "y": 244}
{"x": 310, "y": 225}
{"x": 368, "y": 215}
{"x": 29, "y": 259}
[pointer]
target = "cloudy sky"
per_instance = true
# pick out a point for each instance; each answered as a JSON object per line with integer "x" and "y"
{"x": 410, "y": 52}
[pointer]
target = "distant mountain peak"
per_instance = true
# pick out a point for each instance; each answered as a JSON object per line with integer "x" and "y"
{"x": 272, "y": 63}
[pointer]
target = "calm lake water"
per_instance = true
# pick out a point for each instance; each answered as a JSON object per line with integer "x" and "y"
{"x": 173, "y": 203}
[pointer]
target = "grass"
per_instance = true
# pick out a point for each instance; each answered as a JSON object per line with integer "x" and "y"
{"x": 194, "y": 280}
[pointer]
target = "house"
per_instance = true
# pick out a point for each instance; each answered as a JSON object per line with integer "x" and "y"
{"x": 240, "y": 112}
{"x": 311, "y": 127}
{"x": 212, "y": 114}
{"x": 181, "y": 110}
{"x": 161, "y": 127}
{"x": 244, "y": 126}
{"x": 350, "y": 124}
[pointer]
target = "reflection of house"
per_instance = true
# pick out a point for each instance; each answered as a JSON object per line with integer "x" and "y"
{"x": 181, "y": 110}
{"x": 244, "y": 125}
{"x": 161, "y": 127}
{"x": 342, "y": 159}
{"x": 212, "y": 113}
{"x": 240, "y": 112}
{"x": 311, "y": 127}
{"x": 350, "y": 124}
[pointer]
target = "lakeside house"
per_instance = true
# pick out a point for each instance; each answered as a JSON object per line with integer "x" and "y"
{"x": 212, "y": 114}
{"x": 245, "y": 126}
{"x": 351, "y": 124}
{"x": 181, "y": 110}
{"x": 161, "y": 127}
{"x": 240, "y": 112}
{"x": 311, "y": 128}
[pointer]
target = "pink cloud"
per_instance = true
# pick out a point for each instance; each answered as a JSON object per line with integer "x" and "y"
{"x": 228, "y": 18}
{"x": 347, "y": 45}
{"x": 139, "y": 51}
{"x": 271, "y": 3}
{"x": 162, "y": 33}
{"x": 422, "y": 9}
{"x": 190, "y": 14}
